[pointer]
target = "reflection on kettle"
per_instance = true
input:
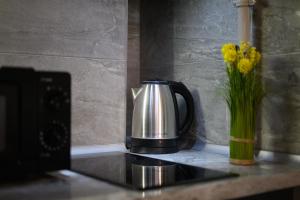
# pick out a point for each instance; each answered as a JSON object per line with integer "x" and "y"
{"x": 155, "y": 120}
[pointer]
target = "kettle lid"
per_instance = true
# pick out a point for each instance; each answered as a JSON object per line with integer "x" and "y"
{"x": 156, "y": 81}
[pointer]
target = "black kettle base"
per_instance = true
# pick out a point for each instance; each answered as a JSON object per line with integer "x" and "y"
{"x": 155, "y": 150}
{"x": 153, "y": 146}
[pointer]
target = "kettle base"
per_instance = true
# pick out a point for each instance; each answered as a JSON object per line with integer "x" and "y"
{"x": 153, "y": 146}
{"x": 155, "y": 150}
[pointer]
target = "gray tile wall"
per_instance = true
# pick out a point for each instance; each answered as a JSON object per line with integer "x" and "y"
{"x": 181, "y": 40}
{"x": 87, "y": 38}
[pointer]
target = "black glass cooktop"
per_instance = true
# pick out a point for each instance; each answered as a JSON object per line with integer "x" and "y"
{"x": 139, "y": 172}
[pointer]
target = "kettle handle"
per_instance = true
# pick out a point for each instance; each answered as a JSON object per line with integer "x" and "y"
{"x": 180, "y": 88}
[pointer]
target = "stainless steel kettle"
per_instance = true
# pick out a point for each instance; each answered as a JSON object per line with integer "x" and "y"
{"x": 155, "y": 120}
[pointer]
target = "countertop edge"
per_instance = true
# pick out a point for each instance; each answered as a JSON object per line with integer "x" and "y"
{"x": 223, "y": 189}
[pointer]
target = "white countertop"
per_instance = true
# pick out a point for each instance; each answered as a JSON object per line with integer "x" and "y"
{"x": 272, "y": 172}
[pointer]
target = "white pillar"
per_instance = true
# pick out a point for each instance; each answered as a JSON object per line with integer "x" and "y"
{"x": 244, "y": 19}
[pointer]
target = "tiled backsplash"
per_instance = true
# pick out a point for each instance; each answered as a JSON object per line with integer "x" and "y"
{"x": 170, "y": 39}
{"x": 181, "y": 40}
{"x": 85, "y": 37}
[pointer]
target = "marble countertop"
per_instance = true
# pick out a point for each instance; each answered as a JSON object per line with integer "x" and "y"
{"x": 272, "y": 172}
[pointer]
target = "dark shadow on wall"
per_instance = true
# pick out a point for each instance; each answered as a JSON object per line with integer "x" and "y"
{"x": 281, "y": 105}
{"x": 157, "y": 51}
{"x": 150, "y": 46}
{"x": 189, "y": 140}
{"x": 280, "y": 77}
{"x": 157, "y": 35}
{"x": 257, "y": 42}
{"x": 133, "y": 61}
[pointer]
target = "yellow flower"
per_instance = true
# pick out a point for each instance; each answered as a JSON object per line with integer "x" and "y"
{"x": 229, "y": 52}
{"x": 230, "y": 56}
{"x": 244, "y": 58}
{"x": 244, "y": 46}
{"x": 244, "y": 65}
{"x": 254, "y": 56}
{"x": 227, "y": 47}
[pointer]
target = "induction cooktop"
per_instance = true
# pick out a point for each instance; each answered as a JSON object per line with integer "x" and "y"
{"x": 139, "y": 172}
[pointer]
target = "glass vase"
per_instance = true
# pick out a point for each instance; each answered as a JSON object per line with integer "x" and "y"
{"x": 242, "y": 134}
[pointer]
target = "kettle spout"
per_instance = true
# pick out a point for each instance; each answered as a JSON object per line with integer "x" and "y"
{"x": 135, "y": 92}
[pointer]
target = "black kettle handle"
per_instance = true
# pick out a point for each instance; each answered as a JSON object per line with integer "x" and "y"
{"x": 180, "y": 88}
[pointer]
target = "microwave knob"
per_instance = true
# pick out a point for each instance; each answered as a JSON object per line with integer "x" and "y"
{"x": 55, "y": 98}
{"x": 54, "y": 137}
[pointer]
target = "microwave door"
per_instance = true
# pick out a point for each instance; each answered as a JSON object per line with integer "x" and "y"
{"x": 3, "y": 120}
{"x": 9, "y": 123}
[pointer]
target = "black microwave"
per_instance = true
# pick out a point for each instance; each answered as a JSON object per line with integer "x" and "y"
{"x": 35, "y": 118}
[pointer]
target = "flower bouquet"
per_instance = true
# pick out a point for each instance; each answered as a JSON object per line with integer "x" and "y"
{"x": 243, "y": 94}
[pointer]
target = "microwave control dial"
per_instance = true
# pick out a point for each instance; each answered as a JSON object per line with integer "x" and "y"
{"x": 55, "y": 98}
{"x": 54, "y": 137}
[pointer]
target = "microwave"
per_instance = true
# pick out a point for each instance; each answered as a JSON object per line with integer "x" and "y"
{"x": 35, "y": 118}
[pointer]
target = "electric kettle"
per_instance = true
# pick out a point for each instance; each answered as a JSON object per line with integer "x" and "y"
{"x": 155, "y": 119}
